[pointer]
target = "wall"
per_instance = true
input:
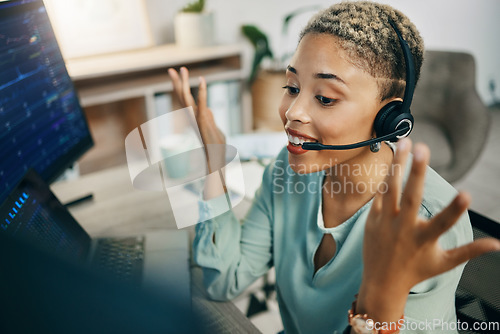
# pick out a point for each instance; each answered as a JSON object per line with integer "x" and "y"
{"x": 457, "y": 25}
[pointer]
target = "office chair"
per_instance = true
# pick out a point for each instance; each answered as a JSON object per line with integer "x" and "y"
{"x": 478, "y": 294}
{"x": 449, "y": 114}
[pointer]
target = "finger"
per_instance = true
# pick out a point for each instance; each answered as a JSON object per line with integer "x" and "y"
{"x": 412, "y": 194}
{"x": 176, "y": 81}
{"x": 377, "y": 202}
{"x": 186, "y": 89}
{"x": 447, "y": 218}
{"x": 202, "y": 95}
{"x": 373, "y": 222}
{"x": 470, "y": 251}
{"x": 395, "y": 176}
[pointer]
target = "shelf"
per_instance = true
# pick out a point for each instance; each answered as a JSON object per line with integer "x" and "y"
{"x": 111, "y": 78}
{"x": 162, "y": 56}
{"x": 114, "y": 91}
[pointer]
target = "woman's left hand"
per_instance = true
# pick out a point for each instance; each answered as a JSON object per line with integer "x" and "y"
{"x": 400, "y": 249}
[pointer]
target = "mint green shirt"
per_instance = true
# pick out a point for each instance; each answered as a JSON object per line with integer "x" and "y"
{"x": 284, "y": 227}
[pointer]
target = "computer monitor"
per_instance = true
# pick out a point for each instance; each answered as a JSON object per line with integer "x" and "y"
{"x": 42, "y": 124}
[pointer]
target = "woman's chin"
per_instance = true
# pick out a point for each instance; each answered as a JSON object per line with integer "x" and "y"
{"x": 301, "y": 165}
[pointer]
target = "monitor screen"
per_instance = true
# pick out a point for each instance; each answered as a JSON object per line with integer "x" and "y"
{"x": 42, "y": 124}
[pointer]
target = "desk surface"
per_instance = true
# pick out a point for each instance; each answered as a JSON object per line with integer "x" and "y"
{"x": 118, "y": 209}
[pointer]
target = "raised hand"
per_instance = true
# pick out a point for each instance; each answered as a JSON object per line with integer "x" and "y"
{"x": 209, "y": 131}
{"x": 213, "y": 138}
{"x": 401, "y": 249}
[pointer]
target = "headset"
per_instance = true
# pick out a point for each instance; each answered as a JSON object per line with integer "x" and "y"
{"x": 394, "y": 121}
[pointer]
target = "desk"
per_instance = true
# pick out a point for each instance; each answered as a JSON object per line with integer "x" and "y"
{"x": 119, "y": 210}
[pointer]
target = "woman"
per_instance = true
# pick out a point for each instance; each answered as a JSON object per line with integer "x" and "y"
{"x": 376, "y": 222}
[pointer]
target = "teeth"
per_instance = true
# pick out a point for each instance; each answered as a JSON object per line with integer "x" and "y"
{"x": 298, "y": 140}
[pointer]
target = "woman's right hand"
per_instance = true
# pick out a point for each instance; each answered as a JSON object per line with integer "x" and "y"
{"x": 213, "y": 139}
{"x": 400, "y": 248}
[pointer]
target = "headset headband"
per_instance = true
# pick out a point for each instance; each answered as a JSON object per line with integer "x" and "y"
{"x": 410, "y": 70}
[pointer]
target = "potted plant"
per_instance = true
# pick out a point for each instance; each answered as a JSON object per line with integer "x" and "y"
{"x": 266, "y": 81}
{"x": 194, "y": 27}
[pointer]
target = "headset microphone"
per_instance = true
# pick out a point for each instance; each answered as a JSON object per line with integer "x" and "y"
{"x": 394, "y": 121}
{"x": 318, "y": 146}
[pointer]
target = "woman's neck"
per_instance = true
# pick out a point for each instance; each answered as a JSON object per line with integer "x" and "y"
{"x": 349, "y": 185}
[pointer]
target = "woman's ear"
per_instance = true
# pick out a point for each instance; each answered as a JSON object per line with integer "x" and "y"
{"x": 389, "y": 100}
{"x": 385, "y": 102}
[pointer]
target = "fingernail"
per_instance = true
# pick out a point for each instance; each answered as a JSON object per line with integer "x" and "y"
{"x": 463, "y": 199}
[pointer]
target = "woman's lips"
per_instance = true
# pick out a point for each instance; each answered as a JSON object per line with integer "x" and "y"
{"x": 295, "y": 149}
{"x": 295, "y": 133}
{"x": 296, "y": 139}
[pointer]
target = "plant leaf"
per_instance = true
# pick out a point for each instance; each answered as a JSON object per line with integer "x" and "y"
{"x": 261, "y": 45}
{"x": 194, "y": 7}
{"x": 290, "y": 16}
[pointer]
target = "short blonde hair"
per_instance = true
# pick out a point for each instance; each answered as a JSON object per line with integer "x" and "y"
{"x": 364, "y": 32}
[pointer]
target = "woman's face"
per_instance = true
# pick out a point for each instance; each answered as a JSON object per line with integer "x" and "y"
{"x": 330, "y": 100}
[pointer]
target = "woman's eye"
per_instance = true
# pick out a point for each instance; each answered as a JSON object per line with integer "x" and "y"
{"x": 291, "y": 90}
{"x": 325, "y": 100}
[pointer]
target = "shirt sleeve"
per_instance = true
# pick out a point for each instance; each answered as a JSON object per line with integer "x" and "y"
{"x": 242, "y": 252}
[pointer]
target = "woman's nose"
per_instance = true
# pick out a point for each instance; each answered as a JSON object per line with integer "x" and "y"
{"x": 298, "y": 111}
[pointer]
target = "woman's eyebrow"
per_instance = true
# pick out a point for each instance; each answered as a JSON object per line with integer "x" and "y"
{"x": 329, "y": 76}
{"x": 320, "y": 75}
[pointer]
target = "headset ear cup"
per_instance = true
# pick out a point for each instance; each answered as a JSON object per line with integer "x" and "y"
{"x": 385, "y": 116}
{"x": 399, "y": 122}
